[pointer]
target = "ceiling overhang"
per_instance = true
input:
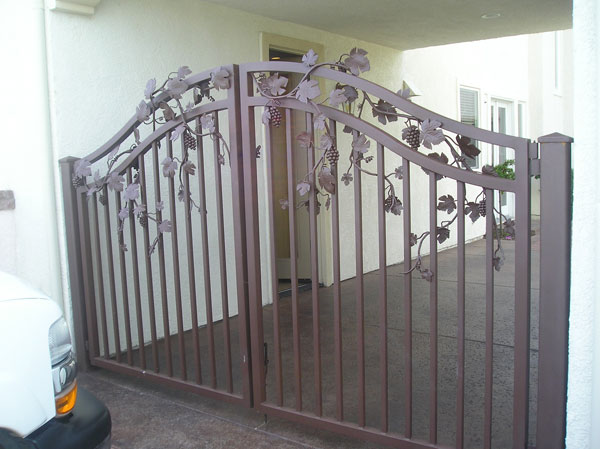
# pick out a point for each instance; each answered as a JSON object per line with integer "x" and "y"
{"x": 406, "y": 25}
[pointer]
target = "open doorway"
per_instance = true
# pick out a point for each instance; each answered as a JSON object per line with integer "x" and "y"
{"x": 281, "y": 48}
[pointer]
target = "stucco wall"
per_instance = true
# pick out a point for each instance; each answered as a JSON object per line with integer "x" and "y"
{"x": 29, "y": 245}
{"x": 583, "y": 407}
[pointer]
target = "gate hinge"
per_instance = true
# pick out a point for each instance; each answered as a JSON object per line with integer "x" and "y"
{"x": 534, "y": 163}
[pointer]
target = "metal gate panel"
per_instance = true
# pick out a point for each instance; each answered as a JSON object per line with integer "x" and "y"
{"x": 389, "y": 352}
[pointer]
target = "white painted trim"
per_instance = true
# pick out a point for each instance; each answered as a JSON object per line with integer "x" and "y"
{"x": 85, "y": 7}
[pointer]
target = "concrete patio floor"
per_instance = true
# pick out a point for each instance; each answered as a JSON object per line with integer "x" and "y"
{"x": 146, "y": 415}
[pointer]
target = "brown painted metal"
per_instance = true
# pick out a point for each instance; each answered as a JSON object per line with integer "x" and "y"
{"x": 555, "y": 232}
{"x": 407, "y": 300}
{"x": 433, "y": 311}
{"x": 112, "y": 286}
{"x": 168, "y": 381}
{"x": 148, "y": 265}
{"x": 100, "y": 279}
{"x": 395, "y": 145}
{"x": 489, "y": 318}
{"x": 83, "y": 221}
{"x": 460, "y": 313}
{"x": 291, "y": 175}
{"x": 123, "y": 270}
{"x": 176, "y": 274}
{"x": 222, "y": 258}
{"x": 337, "y": 288}
{"x": 206, "y": 264}
{"x": 189, "y": 239}
{"x": 252, "y": 239}
{"x": 136, "y": 279}
{"x": 75, "y": 262}
{"x": 360, "y": 296}
{"x": 161, "y": 263}
{"x": 383, "y": 312}
{"x": 240, "y": 106}
{"x": 522, "y": 297}
{"x": 314, "y": 264}
{"x": 239, "y": 235}
{"x": 274, "y": 277}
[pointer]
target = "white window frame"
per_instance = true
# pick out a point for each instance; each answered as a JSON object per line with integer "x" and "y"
{"x": 459, "y": 87}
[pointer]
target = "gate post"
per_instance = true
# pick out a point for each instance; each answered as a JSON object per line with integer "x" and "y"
{"x": 77, "y": 292}
{"x": 555, "y": 254}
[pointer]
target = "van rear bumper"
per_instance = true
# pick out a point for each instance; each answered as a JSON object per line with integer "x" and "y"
{"x": 88, "y": 426}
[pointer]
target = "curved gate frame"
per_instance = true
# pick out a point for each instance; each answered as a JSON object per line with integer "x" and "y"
{"x": 554, "y": 165}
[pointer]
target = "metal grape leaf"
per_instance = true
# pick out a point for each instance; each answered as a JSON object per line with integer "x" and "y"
{"x": 304, "y": 139}
{"x": 413, "y": 239}
{"x": 327, "y": 180}
{"x": 467, "y": 148}
{"x": 357, "y": 61}
{"x": 472, "y": 210}
{"x": 447, "y": 203}
{"x": 168, "y": 112}
{"x": 350, "y": 93}
{"x": 347, "y": 178}
{"x": 509, "y": 227}
{"x": 430, "y": 133}
{"x": 442, "y": 234}
{"x": 488, "y": 170}
{"x": 384, "y": 112}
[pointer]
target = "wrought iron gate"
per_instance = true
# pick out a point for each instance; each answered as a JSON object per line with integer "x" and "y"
{"x": 381, "y": 326}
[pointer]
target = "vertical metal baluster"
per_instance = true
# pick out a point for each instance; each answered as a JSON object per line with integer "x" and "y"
{"x": 88, "y": 275}
{"x": 136, "y": 278}
{"x": 222, "y": 257}
{"x": 161, "y": 262}
{"x": 148, "y": 265}
{"x": 460, "y": 306}
{"x": 206, "y": 264}
{"x": 360, "y": 298}
{"x": 383, "y": 349}
{"x": 314, "y": 263}
{"x": 433, "y": 310}
{"x": 176, "y": 274}
{"x": 112, "y": 285}
{"x": 123, "y": 269}
{"x": 293, "y": 258}
{"x": 337, "y": 289}
{"x": 274, "y": 276}
{"x": 489, "y": 317}
{"x": 189, "y": 239}
{"x": 522, "y": 296}
{"x": 100, "y": 279}
{"x": 407, "y": 301}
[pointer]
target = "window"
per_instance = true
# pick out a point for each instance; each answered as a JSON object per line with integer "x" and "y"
{"x": 469, "y": 114}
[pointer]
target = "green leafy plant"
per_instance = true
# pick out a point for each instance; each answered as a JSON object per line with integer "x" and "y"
{"x": 505, "y": 170}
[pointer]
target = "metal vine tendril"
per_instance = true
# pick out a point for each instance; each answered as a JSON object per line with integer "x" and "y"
{"x": 417, "y": 133}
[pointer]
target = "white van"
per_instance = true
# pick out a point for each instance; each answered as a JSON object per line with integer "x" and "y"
{"x": 42, "y": 405}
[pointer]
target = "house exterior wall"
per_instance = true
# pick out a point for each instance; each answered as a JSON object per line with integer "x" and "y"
{"x": 29, "y": 237}
{"x": 583, "y": 406}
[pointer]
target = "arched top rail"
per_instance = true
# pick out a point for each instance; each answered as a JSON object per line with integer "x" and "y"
{"x": 128, "y": 129}
{"x": 390, "y": 142}
{"x": 517, "y": 143}
{"x": 161, "y": 132}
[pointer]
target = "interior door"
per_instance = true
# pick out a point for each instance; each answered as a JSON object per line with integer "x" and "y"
{"x": 280, "y": 188}
{"x": 502, "y": 121}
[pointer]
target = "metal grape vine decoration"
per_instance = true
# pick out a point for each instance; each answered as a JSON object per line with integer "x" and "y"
{"x": 168, "y": 98}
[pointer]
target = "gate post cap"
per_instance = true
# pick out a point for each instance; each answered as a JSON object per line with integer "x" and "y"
{"x": 555, "y": 138}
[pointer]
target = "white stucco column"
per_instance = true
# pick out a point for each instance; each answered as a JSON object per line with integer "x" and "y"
{"x": 27, "y": 164}
{"x": 583, "y": 404}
